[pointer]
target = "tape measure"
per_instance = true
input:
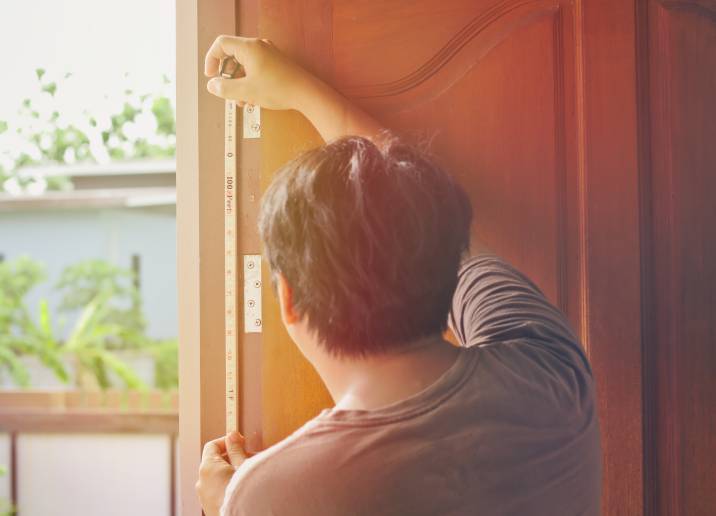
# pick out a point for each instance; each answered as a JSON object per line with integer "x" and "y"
{"x": 230, "y": 328}
{"x": 252, "y": 263}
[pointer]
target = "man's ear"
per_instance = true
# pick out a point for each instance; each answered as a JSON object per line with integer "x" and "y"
{"x": 285, "y": 299}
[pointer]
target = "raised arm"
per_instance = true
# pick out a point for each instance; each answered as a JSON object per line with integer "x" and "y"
{"x": 273, "y": 81}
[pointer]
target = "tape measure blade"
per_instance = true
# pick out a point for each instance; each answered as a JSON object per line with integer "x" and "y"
{"x": 231, "y": 331}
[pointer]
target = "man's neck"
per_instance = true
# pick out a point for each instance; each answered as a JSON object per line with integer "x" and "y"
{"x": 376, "y": 381}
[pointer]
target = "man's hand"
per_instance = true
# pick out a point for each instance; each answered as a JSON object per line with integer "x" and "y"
{"x": 273, "y": 81}
{"x": 219, "y": 460}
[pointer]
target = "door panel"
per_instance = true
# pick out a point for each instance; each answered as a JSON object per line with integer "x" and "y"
{"x": 680, "y": 258}
{"x": 292, "y": 392}
{"x": 499, "y": 128}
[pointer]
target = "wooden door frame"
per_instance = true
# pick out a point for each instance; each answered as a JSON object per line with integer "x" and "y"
{"x": 200, "y": 250}
{"x": 199, "y": 237}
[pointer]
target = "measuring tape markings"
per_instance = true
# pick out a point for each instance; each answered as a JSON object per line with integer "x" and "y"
{"x": 230, "y": 264}
{"x": 252, "y": 262}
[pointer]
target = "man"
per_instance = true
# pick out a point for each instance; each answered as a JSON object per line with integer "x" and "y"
{"x": 366, "y": 239}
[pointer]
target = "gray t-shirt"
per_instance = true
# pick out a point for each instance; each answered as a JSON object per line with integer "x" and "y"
{"x": 510, "y": 428}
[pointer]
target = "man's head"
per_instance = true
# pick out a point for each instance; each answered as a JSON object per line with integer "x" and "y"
{"x": 364, "y": 244}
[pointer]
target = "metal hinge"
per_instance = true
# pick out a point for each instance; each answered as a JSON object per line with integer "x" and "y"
{"x": 252, "y": 293}
{"x": 252, "y": 122}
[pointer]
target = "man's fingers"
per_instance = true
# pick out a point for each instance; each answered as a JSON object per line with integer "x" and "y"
{"x": 223, "y": 451}
{"x": 213, "y": 450}
{"x": 235, "y": 448}
{"x": 234, "y": 89}
{"x": 222, "y": 47}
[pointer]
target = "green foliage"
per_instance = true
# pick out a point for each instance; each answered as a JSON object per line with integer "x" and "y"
{"x": 17, "y": 278}
{"x": 86, "y": 281}
{"x": 20, "y": 334}
{"x": 50, "y": 87}
{"x": 109, "y": 318}
{"x": 49, "y": 138}
{"x": 6, "y": 508}
{"x": 166, "y": 363}
{"x": 89, "y": 343}
{"x": 164, "y": 113}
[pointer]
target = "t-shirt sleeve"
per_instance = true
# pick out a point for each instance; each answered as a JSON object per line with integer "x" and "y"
{"x": 494, "y": 302}
{"x": 269, "y": 481}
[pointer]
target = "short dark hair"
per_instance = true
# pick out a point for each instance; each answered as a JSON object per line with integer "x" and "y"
{"x": 370, "y": 238}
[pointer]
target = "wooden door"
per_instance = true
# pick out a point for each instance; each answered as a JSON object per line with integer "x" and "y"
{"x": 583, "y": 131}
{"x": 503, "y": 92}
{"x": 490, "y": 85}
{"x": 677, "y": 125}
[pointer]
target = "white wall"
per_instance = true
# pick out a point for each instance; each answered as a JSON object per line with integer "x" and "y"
{"x": 93, "y": 475}
{"x": 62, "y": 237}
{"x": 5, "y": 462}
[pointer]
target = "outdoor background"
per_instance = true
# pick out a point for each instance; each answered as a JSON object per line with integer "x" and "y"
{"x": 87, "y": 257}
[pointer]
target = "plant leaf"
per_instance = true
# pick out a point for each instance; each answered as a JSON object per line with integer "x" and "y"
{"x": 122, "y": 369}
{"x": 17, "y": 370}
{"x": 45, "y": 323}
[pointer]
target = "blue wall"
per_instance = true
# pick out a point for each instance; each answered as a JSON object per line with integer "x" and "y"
{"x": 59, "y": 238}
